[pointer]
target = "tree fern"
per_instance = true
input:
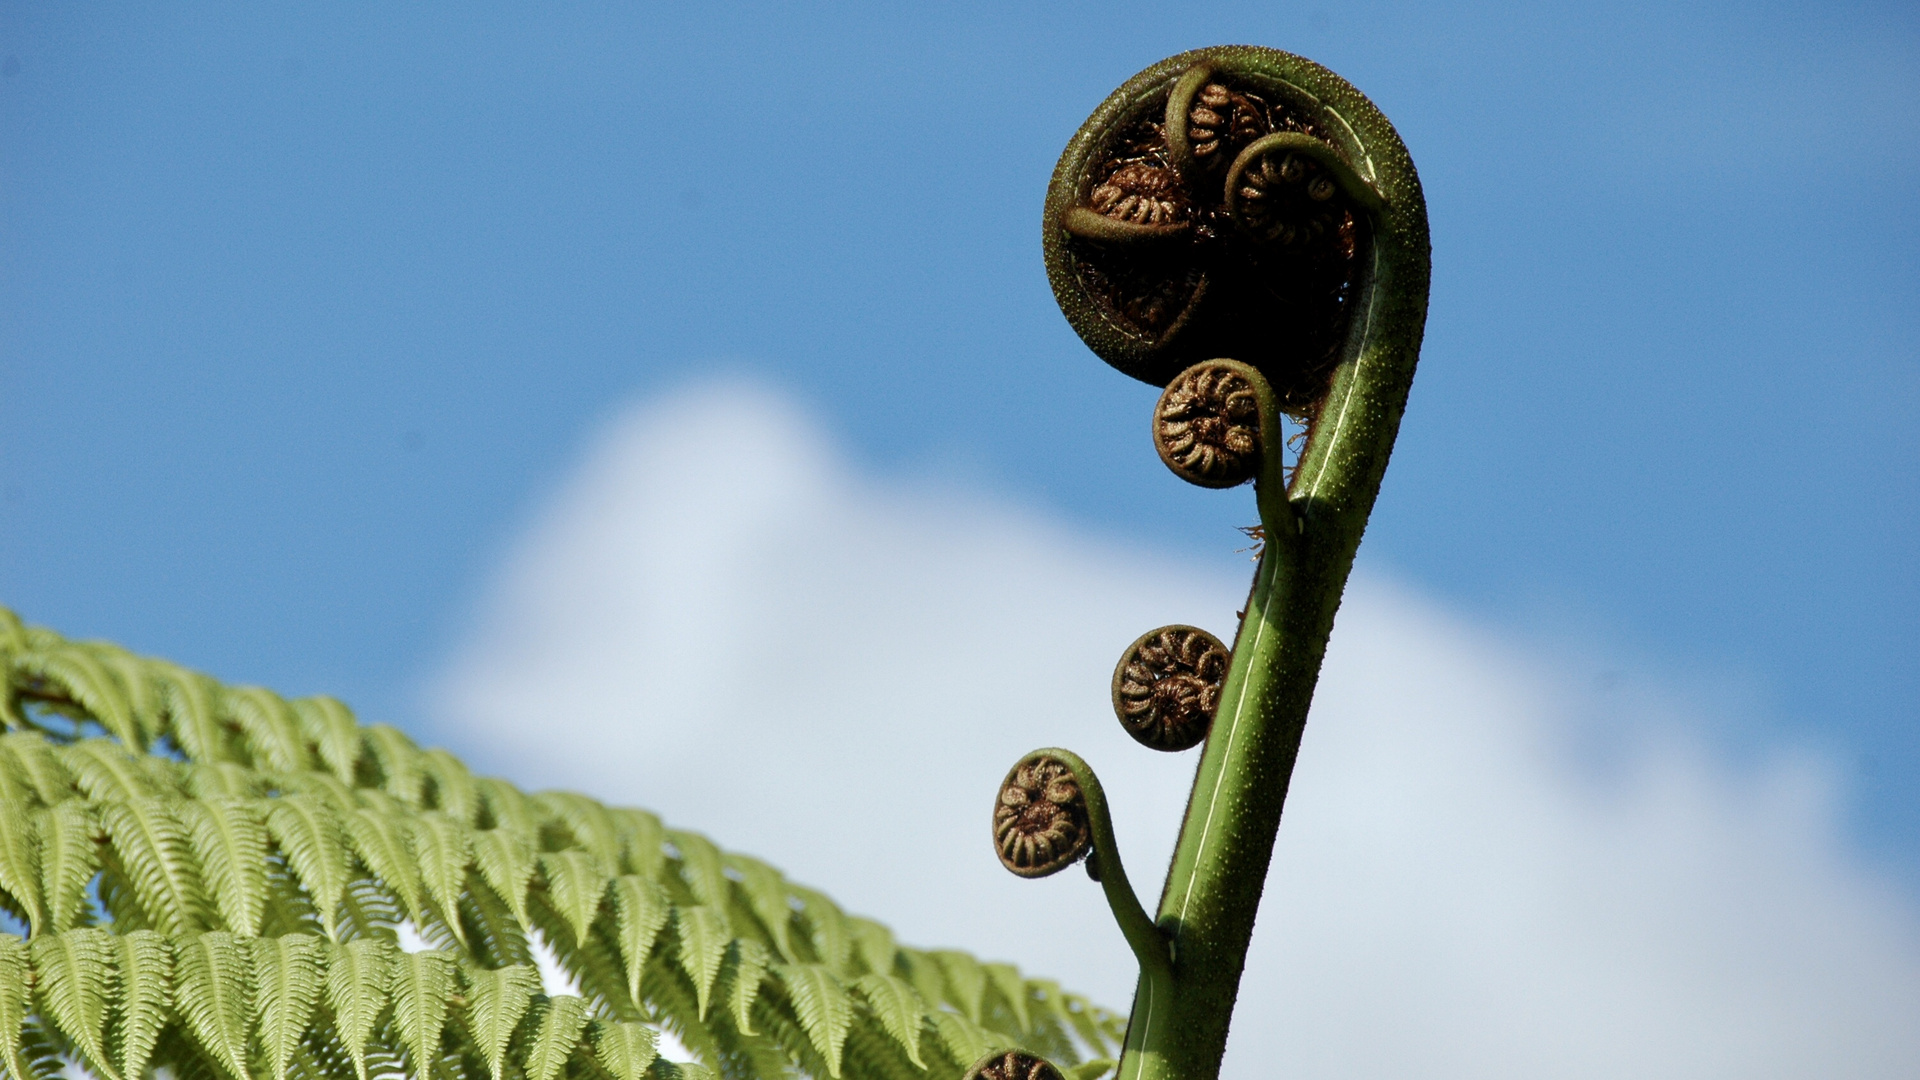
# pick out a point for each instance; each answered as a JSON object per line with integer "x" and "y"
{"x": 211, "y": 879}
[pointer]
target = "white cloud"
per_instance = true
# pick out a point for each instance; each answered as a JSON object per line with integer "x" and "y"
{"x": 717, "y": 619}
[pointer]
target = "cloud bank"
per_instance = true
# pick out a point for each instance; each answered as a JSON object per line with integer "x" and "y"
{"x": 718, "y": 619}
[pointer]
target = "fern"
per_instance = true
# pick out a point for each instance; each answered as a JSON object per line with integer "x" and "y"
{"x": 211, "y": 879}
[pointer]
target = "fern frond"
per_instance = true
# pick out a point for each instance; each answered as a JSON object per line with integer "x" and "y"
{"x": 33, "y": 758}
{"x": 505, "y": 859}
{"x": 213, "y": 991}
{"x": 422, "y": 991}
{"x": 704, "y": 936}
{"x": 576, "y": 882}
{"x": 398, "y": 760}
{"x": 153, "y": 851}
{"x": 966, "y": 982}
{"x": 442, "y": 852}
{"x": 272, "y": 732}
{"x": 77, "y": 980}
{"x": 873, "y": 945}
{"x": 557, "y": 1033}
{"x": 288, "y": 974}
{"x": 16, "y": 981}
{"x": 827, "y": 929}
{"x": 623, "y": 1049}
{"x": 963, "y": 1041}
{"x": 309, "y": 835}
{"x": 643, "y": 839}
{"x": 380, "y": 841}
{"x": 105, "y": 772}
{"x": 744, "y": 970}
{"x": 230, "y": 840}
{"x": 899, "y": 1009}
{"x": 454, "y": 791}
{"x": 702, "y": 869}
{"x": 359, "y": 975}
{"x": 497, "y": 1000}
{"x": 194, "y": 704}
{"x": 588, "y": 824}
{"x": 506, "y": 806}
{"x": 20, "y": 863}
{"x": 823, "y": 1006}
{"x": 641, "y": 910}
{"x": 330, "y": 726}
{"x": 68, "y": 861}
{"x": 146, "y": 999}
{"x": 1005, "y": 979}
{"x": 71, "y": 672}
{"x": 767, "y": 897}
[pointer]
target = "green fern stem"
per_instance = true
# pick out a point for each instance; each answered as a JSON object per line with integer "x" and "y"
{"x": 1312, "y": 526}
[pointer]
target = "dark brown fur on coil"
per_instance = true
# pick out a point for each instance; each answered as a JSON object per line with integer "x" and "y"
{"x": 1206, "y": 426}
{"x": 1013, "y": 1065}
{"x": 1166, "y": 688}
{"x": 1040, "y": 823}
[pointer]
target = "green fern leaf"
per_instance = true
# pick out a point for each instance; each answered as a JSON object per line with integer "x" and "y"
{"x": 213, "y": 779}
{"x": 823, "y": 1006}
{"x": 16, "y": 979}
{"x": 873, "y": 944}
{"x": 496, "y": 1002}
{"x": 745, "y": 969}
{"x": 230, "y": 841}
{"x": 624, "y": 1050}
{"x": 592, "y": 828}
{"x": 194, "y": 705}
{"x": 87, "y": 681}
{"x": 399, "y": 762}
{"x": 576, "y": 882}
{"x": 900, "y": 1011}
{"x": 827, "y": 928}
{"x": 506, "y": 860}
{"x": 330, "y": 726}
{"x": 454, "y": 791}
{"x": 641, "y": 909}
{"x": 704, "y": 935}
{"x": 359, "y": 975}
{"x": 767, "y": 896}
{"x": 507, "y": 806}
{"x": 77, "y": 984}
{"x": 34, "y": 759}
{"x": 20, "y": 863}
{"x": 1005, "y": 978}
{"x": 156, "y": 857}
{"x": 441, "y": 851}
{"x": 966, "y": 982}
{"x": 287, "y": 972}
{"x": 1091, "y": 1070}
{"x": 965, "y": 1041}
{"x": 309, "y": 835}
{"x": 68, "y": 861}
{"x": 702, "y": 868}
{"x": 146, "y": 997}
{"x": 382, "y": 846}
{"x": 643, "y": 841}
{"x": 213, "y": 991}
{"x": 422, "y": 990}
{"x": 272, "y": 732}
{"x": 105, "y": 772}
{"x": 561, "y": 1022}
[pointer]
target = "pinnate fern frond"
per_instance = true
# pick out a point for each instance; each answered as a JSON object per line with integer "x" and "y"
{"x": 225, "y": 904}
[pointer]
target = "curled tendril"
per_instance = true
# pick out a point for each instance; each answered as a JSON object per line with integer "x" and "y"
{"x": 1166, "y": 687}
{"x": 1040, "y": 823}
{"x": 1166, "y": 244}
{"x": 1206, "y": 426}
{"x": 1013, "y": 1065}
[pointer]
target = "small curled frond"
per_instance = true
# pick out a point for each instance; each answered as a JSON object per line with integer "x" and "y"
{"x": 1040, "y": 822}
{"x": 1166, "y": 687}
{"x": 1013, "y": 1065}
{"x": 1207, "y": 425}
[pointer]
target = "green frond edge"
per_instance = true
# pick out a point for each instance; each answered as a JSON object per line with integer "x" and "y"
{"x": 213, "y": 879}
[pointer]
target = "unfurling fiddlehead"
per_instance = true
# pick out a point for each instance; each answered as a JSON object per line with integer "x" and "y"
{"x": 1242, "y": 228}
{"x": 1013, "y": 1065}
{"x": 1167, "y": 686}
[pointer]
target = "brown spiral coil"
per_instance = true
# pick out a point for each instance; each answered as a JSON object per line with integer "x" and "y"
{"x": 1013, "y": 1065}
{"x": 1040, "y": 822}
{"x": 1166, "y": 687}
{"x": 1206, "y": 426}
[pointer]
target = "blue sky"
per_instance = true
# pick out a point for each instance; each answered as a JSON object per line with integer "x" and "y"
{"x": 304, "y": 309}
